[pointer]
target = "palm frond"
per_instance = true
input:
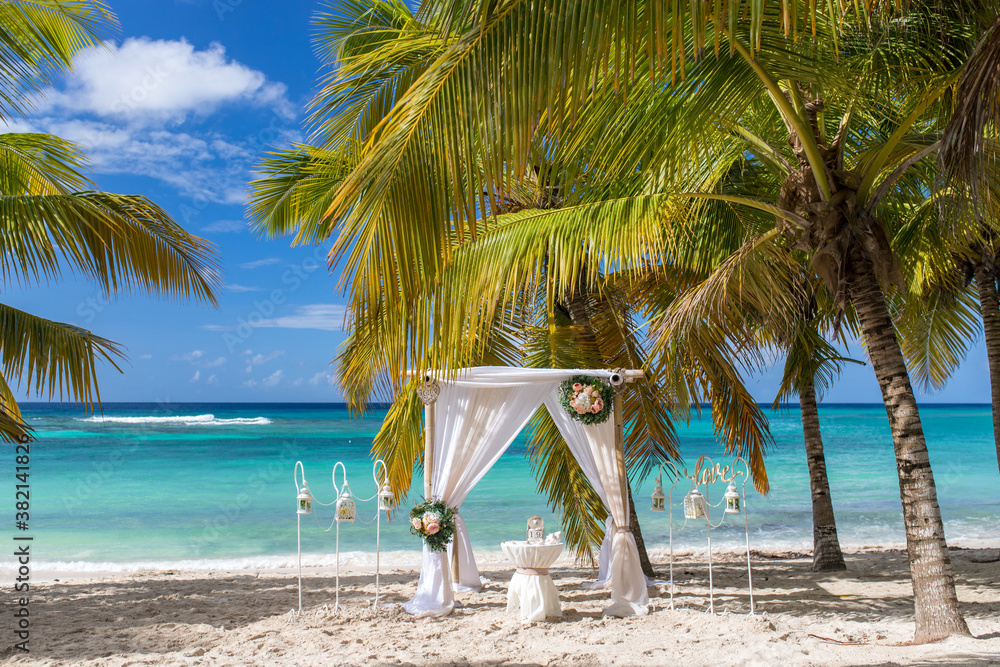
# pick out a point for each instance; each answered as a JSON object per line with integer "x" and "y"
{"x": 51, "y": 359}
{"x": 123, "y": 242}
{"x": 38, "y": 39}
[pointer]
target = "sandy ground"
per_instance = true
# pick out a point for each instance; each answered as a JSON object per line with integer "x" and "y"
{"x": 860, "y": 617}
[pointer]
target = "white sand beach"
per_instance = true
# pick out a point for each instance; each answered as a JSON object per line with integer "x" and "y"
{"x": 859, "y": 617}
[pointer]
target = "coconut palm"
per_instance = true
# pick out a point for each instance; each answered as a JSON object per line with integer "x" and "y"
{"x": 53, "y": 219}
{"x": 487, "y": 308}
{"x": 518, "y": 77}
{"x": 968, "y": 160}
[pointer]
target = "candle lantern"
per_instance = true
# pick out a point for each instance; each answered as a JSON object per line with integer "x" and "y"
{"x": 386, "y": 501}
{"x": 305, "y": 500}
{"x": 732, "y": 500}
{"x": 347, "y": 511}
{"x": 659, "y": 497}
{"x": 695, "y": 505}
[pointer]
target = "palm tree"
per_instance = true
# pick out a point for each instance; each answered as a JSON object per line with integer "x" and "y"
{"x": 518, "y": 76}
{"x": 53, "y": 218}
{"x": 484, "y": 308}
{"x": 967, "y": 157}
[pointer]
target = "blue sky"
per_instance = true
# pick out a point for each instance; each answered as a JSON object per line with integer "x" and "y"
{"x": 178, "y": 110}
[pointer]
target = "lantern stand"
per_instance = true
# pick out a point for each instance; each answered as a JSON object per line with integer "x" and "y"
{"x": 346, "y": 511}
{"x": 731, "y": 503}
{"x": 746, "y": 526}
{"x": 386, "y": 503}
{"x": 658, "y": 507}
{"x": 696, "y": 506}
{"x": 304, "y": 506}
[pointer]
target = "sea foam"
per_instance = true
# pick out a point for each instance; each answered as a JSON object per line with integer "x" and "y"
{"x": 186, "y": 420}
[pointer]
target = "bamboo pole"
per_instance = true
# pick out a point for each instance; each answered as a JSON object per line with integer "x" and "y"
{"x": 428, "y": 448}
{"x": 620, "y": 449}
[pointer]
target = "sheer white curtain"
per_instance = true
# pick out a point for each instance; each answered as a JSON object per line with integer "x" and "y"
{"x": 593, "y": 447}
{"x": 476, "y": 420}
{"x": 477, "y": 417}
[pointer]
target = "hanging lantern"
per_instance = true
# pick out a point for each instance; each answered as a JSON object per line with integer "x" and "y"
{"x": 305, "y": 501}
{"x": 659, "y": 497}
{"x": 695, "y": 505}
{"x": 386, "y": 501}
{"x": 732, "y": 500}
{"x": 347, "y": 511}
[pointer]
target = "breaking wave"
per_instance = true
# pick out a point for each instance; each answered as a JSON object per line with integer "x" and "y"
{"x": 186, "y": 420}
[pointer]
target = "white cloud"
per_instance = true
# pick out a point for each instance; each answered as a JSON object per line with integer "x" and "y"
{"x": 145, "y": 356}
{"x": 205, "y": 165}
{"x": 273, "y": 379}
{"x": 212, "y": 380}
{"x": 215, "y": 363}
{"x": 321, "y": 378}
{"x": 225, "y": 226}
{"x": 154, "y": 81}
{"x": 322, "y": 316}
{"x": 196, "y": 376}
{"x": 260, "y": 359}
{"x": 136, "y": 108}
{"x": 192, "y": 356}
{"x": 250, "y": 383}
{"x": 297, "y": 382}
{"x": 234, "y": 287}
{"x": 257, "y": 263}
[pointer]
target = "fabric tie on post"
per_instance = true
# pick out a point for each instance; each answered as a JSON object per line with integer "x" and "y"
{"x": 593, "y": 447}
{"x": 434, "y": 596}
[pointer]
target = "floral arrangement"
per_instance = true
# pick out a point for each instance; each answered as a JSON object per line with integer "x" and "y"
{"x": 433, "y": 521}
{"x": 586, "y": 399}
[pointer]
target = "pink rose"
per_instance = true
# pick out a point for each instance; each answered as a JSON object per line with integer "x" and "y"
{"x": 595, "y": 393}
{"x": 599, "y": 404}
{"x": 577, "y": 386}
{"x": 579, "y": 409}
{"x": 587, "y": 390}
{"x": 432, "y": 528}
{"x": 416, "y": 523}
{"x": 594, "y": 408}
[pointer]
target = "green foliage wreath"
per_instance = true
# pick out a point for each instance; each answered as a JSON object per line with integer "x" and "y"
{"x": 433, "y": 521}
{"x": 578, "y": 398}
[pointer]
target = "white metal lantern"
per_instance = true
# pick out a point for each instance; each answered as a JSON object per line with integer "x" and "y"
{"x": 305, "y": 500}
{"x": 347, "y": 511}
{"x": 695, "y": 506}
{"x": 659, "y": 497}
{"x": 386, "y": 501}
{"x": 732, "y": 500}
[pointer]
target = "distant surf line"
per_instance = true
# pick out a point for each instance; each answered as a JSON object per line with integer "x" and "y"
{"x": 187, "y": 420}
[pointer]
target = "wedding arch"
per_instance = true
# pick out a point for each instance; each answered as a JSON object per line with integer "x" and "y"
{"x": 470, "y": 420}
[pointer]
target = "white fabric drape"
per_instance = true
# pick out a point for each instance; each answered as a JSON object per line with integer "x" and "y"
{"x": 475, "y": 423}
{"x": 478, "y": 415}
{"x": 593, "y": 447}
{"x": 533, "y": 595}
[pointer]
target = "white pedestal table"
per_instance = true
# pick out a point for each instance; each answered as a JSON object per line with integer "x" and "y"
{"x": 531, "y": 589}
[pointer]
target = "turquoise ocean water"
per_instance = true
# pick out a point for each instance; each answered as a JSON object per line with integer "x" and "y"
{"x": 211, "y": 485}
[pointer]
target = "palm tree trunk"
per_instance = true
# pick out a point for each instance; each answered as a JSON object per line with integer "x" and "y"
{"x": 989, "y": 309}
{"x": 937, "y": 613}
{"x": 827, "y": 556}
{"x": 647, "y": 566}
